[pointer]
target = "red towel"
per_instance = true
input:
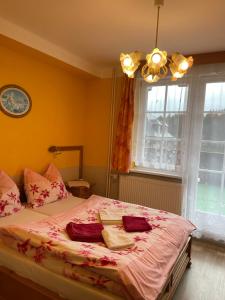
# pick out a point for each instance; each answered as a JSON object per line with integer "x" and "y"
{"x": 135, "y": 224}
{"x": 89, "y": 233}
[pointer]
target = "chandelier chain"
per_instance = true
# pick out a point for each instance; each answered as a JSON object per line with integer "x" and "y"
{"x": 157, "y": 28}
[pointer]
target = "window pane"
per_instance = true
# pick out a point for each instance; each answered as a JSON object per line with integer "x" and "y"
{"x": 223, "y": 195}
{"x": 176, "y": 98}
{"x": 160, "y": 146}
{"x": 215, "y": 97}
{"x": 209, "y": 192}
{"x": 211, "y": 161}
{"x": 152, "y": 153}
{"x": 212, "y": 156}
{"x": 156, "y": 98}
{"x": 154, "y": 124}
{"x": 171, "y": 155}
{"x": 213, "y": 127}
{"x": 173, "y": 125}
{"x": 212, "y": 147}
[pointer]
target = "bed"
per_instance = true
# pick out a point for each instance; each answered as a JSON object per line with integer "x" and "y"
{"x": 43, "y": 282}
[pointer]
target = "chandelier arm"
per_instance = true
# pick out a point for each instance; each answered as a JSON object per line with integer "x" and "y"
{"x": 157, "y": 27}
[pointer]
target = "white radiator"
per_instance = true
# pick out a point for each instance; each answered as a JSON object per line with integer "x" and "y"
{"x": 152, "y": 193}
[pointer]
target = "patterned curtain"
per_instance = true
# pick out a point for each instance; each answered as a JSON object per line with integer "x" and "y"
{"x": 122, "y": 151}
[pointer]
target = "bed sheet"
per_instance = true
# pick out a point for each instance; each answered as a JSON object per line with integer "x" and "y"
{"x": 59, "y": 206}
{"x": 64, "y": 287}
{"x": 22, "y": 217}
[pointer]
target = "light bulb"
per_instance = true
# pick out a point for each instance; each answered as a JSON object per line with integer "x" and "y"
{"x": 184, "y": 65}
{"x": 149, "y": 78}
{"x": 178, "y": 75}
{"x": 156, "y": 58}
{"x": 129, "y": 73}
{"x": 128, "y": 62}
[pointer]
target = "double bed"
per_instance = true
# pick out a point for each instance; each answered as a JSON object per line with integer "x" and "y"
{"x": 152, "y": 269}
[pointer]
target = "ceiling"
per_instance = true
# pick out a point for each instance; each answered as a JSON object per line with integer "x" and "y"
{"x": 96, "y": 31}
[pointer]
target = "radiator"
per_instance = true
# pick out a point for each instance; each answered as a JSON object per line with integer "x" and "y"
{"x": 152, "y": 193}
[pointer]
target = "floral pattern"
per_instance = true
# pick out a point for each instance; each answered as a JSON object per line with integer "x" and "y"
{"x": 9, "y": 196}
{"x": 41, "y": 190}
{"x": 94, "y": 263}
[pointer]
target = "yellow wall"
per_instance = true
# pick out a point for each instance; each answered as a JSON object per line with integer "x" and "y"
{"x": 57, "y": 116}
{"x": 69, "y": 107}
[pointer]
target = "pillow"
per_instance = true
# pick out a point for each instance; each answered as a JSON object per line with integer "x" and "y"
{"x": 44, "y": 189}
{"x": 9, "y": 196}
{"x": 53, "y": 175}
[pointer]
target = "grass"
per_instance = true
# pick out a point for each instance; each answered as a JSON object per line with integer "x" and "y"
{"x": 208, "y": 199}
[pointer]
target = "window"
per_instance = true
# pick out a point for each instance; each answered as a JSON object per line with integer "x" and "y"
{"x": 159, "y": 124}
{"x": 179, "y": 129}
{"x": 211, "y": 172}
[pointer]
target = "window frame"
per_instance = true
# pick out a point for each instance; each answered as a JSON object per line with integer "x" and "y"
{"x": 142, "y": 93}
{"x": 204, "y": 80}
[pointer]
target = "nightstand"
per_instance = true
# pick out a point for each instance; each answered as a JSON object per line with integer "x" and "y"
{"x": 80, "y": 188}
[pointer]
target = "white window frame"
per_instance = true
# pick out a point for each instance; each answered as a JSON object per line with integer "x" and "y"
{"x": 140, "y": 110}
{"x": 204, "y": 81}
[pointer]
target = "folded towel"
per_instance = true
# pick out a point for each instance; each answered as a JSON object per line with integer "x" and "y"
{"x": 116, "y": 240}
{"x": 78, "y": 183}
{"x": 85, "y": 232}
{"x": 111, "y": 217}
{"x": 135, "y": 224}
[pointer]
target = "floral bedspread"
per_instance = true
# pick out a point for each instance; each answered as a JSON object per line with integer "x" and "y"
{"x": 138, "y": 272}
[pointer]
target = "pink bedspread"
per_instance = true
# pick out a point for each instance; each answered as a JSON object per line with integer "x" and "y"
{"x": 138, "y": 272}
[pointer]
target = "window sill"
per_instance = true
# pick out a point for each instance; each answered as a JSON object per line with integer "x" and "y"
{"x": 165, "y": 176}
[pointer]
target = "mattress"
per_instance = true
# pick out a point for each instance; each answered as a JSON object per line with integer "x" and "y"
{"x": 64, "y": 287}
{"x": 60, "y": 206}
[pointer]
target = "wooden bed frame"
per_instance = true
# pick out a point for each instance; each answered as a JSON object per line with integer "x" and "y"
{"x": 13, "y": 286}
{"x": 182, "y": 263}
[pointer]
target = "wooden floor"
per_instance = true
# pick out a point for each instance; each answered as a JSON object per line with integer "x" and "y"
{"x": 205, "y": 280}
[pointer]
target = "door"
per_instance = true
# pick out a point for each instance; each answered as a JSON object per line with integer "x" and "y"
{"x": 209, "y": 178}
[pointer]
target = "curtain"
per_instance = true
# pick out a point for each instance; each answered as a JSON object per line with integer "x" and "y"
{"x": 204, "y": 176}
{"x": 201, "y": 131}
{"x": 121, "y": 160}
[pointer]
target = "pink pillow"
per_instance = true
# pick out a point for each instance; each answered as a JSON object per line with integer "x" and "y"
{"x": 44, "y": 189}
{"x": 9, "y": 196}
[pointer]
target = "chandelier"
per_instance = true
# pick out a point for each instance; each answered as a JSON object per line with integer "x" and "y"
{"x": 157, "y": 62}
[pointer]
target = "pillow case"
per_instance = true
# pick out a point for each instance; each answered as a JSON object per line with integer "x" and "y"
{"x": 9, "y": 196}
{"x": 44, "y": 189}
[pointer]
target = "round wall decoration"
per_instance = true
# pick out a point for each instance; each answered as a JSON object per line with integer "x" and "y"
{"x": 14, "y": 101}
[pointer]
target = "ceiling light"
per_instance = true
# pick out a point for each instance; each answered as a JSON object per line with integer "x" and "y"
{"x": 179, "y": 65}
{"x": 156, "y": 61}
{"x": 130, "y": 62}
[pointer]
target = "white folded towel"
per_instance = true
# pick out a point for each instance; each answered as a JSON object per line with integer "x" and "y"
{"x": 78, "y": 183}
{"x": 116, "y": 240}
{"x": 111, "y": 217}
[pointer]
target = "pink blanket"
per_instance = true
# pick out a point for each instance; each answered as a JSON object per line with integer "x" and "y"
{"x": 140, "y": 271}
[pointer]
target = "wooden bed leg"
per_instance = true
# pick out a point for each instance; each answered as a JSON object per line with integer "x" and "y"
{"x": 189, "y": 253}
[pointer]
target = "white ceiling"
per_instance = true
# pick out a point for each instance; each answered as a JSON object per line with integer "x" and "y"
{"x": 94, "y": 32}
